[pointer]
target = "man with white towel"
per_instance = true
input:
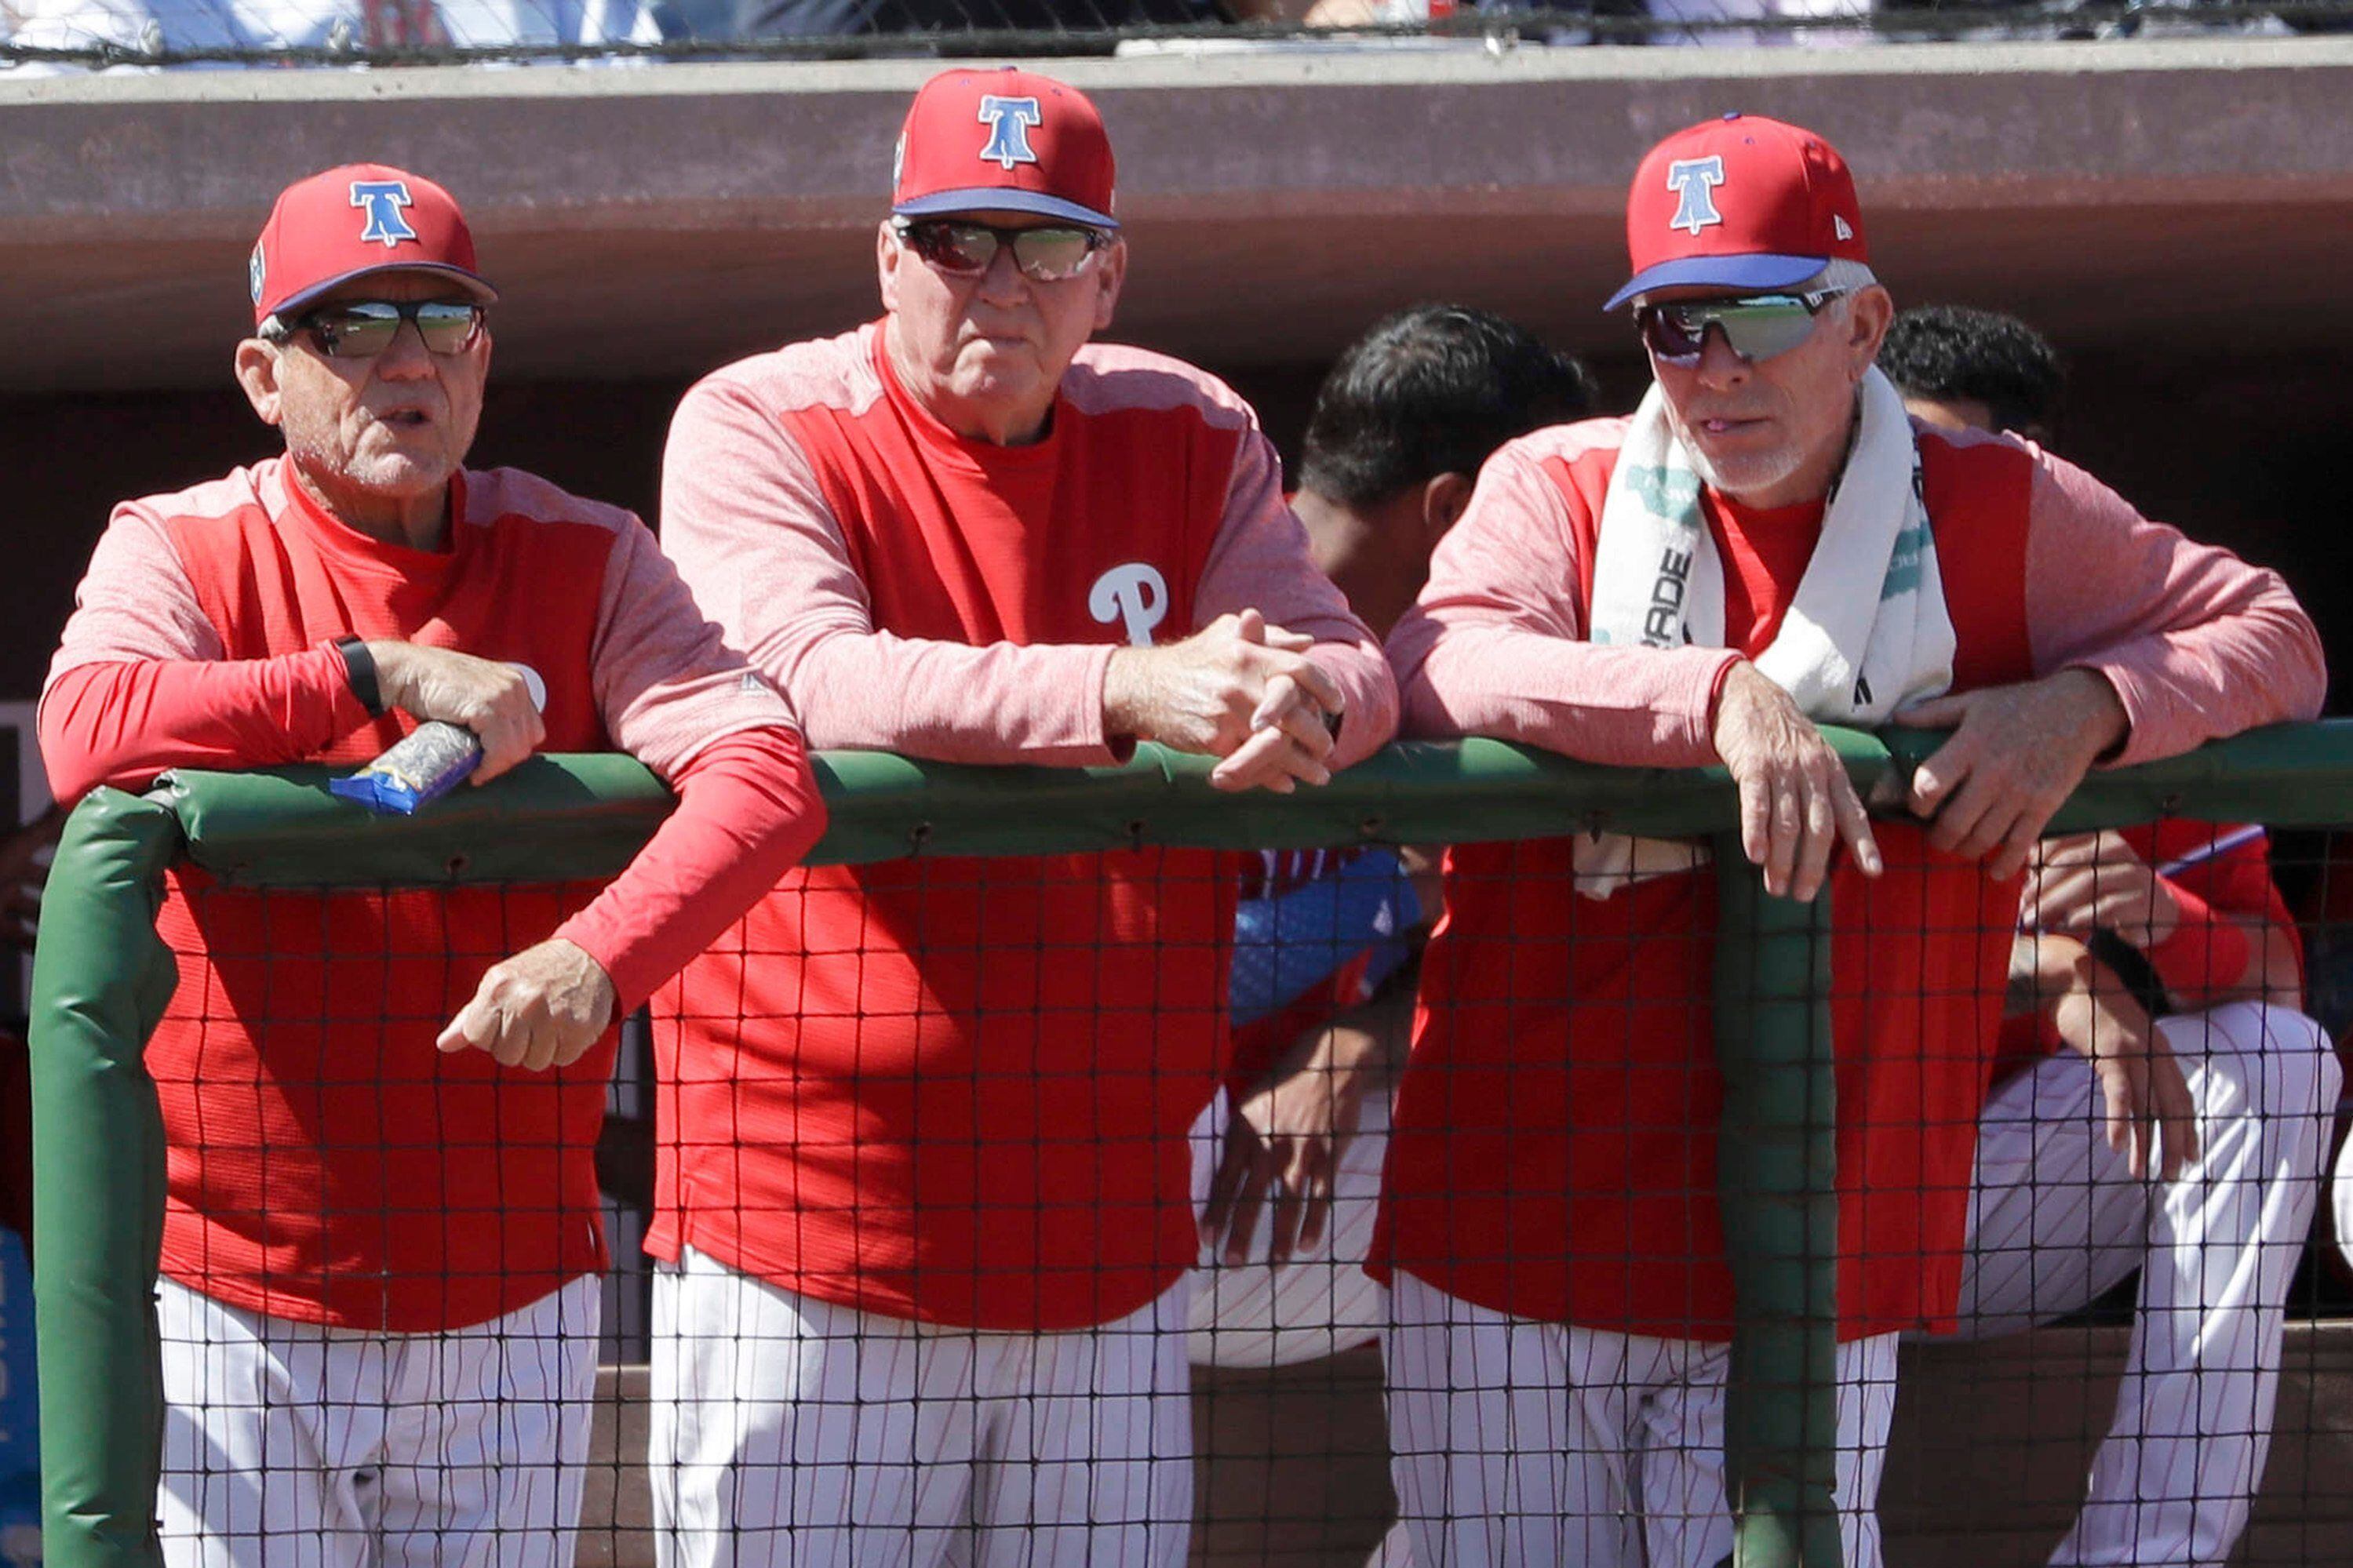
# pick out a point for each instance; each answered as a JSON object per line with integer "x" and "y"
{"x": 1768, "y": 543}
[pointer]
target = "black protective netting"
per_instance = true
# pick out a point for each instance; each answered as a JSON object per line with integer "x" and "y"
{"x": 1034, "y": 1198}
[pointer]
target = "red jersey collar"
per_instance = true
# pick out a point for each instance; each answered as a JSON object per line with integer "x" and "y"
{"x": 340, "y": 537}
{"x": 1801, "y": 517}
{"x": 986, "y": 455}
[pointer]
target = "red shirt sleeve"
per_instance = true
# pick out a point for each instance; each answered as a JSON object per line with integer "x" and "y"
{"x": 123, "y": 723}
{"x": 2220, "y": 876}
{"x": 748, "y": 810}
{"x": 2205, "y": 957}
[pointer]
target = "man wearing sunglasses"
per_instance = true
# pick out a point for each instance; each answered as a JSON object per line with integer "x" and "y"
{"x": 1768, "y": 543}
{"x": 381, "y": 1258}
{"x": 924, "y": 1192}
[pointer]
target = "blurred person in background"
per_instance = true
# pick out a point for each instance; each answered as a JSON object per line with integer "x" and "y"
{"x": 2154, "y": 961}
{"x": 1749, "y": 24}
{"x": 258, "y": 29}
{"x": 1328, "y": 941}
{"x": 25, "y": 857}
{"x": 1965, "y": 369}
{"x": 919, "y": 18}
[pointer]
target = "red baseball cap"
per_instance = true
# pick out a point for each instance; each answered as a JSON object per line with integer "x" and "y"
{"x": 349, "y": 222}
{"x": 1009, "y": 139}
{"x": 1739, "y": 203}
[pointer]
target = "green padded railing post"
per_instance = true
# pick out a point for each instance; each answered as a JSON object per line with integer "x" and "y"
{"x": 100, "y": 984}
{"x": 1777, "y": 1174}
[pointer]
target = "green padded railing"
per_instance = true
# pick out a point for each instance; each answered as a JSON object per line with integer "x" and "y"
{"x": 102, "y": 977}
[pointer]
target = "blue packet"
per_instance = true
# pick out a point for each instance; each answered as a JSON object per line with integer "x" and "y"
{"x": 420, "y": 768}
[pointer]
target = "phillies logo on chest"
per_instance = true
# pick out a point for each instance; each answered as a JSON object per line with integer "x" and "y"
{"x": 1694, "y": 180}
{"x": 1135, "y": 597}
{"x": 1008, "y": 121}
{"x": 382, "y": 200}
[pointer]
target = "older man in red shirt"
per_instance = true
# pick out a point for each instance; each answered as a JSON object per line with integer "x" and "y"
{"x": 1766, "y": 544}
{"x": 924, "y": 1195}
{"x": 380, "y": 1259}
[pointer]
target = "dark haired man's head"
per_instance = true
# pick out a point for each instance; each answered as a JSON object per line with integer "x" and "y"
{"x": 1401, "y": 425}
{"x": 1961, "y": 369}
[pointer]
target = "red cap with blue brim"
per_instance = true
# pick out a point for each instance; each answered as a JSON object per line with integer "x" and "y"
{"x": 1003, "y": 141}
{"x": 1742, "y": 203}
{"x": 350, "y": 221}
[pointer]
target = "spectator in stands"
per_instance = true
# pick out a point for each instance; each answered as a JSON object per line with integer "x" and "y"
{"x": 382, "y": 1252}
{"x": 820, "y": 18}
{"x": 1769, "y": 543}
{"x": 258, "y": 29}
{"x": 1731, "y": 24}
{"x": 924, "y": 1198}
{"x": 2162, "y": 950}
{"x": 1328, "y": 941}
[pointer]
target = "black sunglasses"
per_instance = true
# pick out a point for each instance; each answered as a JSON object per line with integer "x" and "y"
{"x": 362, "y": 329}
{"x": 1755, "y": 326}
{"x": 1049, "y": 254}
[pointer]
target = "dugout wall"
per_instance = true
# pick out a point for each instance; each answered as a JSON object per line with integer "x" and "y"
{"x": 2166, "y": 210}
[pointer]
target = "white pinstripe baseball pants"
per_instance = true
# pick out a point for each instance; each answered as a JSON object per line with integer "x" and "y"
{"x": 2056, "y": 1219}
{"x": 2341, "y": 1189}
{"x": 792, "y": 1433}
{"x": 1528, "y": 1444}
{"x": 290, "y": 1444}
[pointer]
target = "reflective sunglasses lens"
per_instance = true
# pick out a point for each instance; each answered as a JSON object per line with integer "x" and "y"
{"x": 447, "y": 326}
{"x": 953, "y": 246}
{"x": 1756, "y": 329}
{"x": 1763, "y": 329}
{"x": 1052, "y": 254}
{"x": 1667, "y": 332}
{"x": 355, "y": 331}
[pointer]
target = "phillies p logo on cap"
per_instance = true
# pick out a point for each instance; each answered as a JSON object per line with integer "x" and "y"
{"x": 1003, "y": 141}
{"x": 347, "y": 223}
{"x": 1742, "y": 203}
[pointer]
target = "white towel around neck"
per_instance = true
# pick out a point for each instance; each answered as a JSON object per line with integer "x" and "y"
{"x": 1867, "y": 632}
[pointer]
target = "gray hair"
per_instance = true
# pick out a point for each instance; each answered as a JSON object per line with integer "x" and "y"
{"x": 1843, "y": 276}
{"x": 1839, "y": 276}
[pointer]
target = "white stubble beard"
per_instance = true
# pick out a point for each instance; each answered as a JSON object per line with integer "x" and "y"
{"x": 1788, "y": 462}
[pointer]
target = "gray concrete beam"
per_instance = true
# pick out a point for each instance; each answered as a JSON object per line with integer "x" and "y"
{"x": 649, "y": 221}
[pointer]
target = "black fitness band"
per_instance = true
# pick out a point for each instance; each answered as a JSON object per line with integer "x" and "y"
{"x": 2131, "y": 966}
{"x": 359, "y": 668}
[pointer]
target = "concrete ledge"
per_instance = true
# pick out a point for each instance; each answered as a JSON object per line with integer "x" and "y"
{"x": 654, "y": 221}
{"x": 1987, "y": 1465}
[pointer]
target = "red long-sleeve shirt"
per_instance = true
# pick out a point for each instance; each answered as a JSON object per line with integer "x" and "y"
{"x": 326, "y": 1162}
{"x": 952, "y": 1090}
{"x": 1553, "y": 1154}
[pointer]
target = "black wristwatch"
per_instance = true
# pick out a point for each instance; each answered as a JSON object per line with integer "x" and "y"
{"x": 359, "y": 668}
